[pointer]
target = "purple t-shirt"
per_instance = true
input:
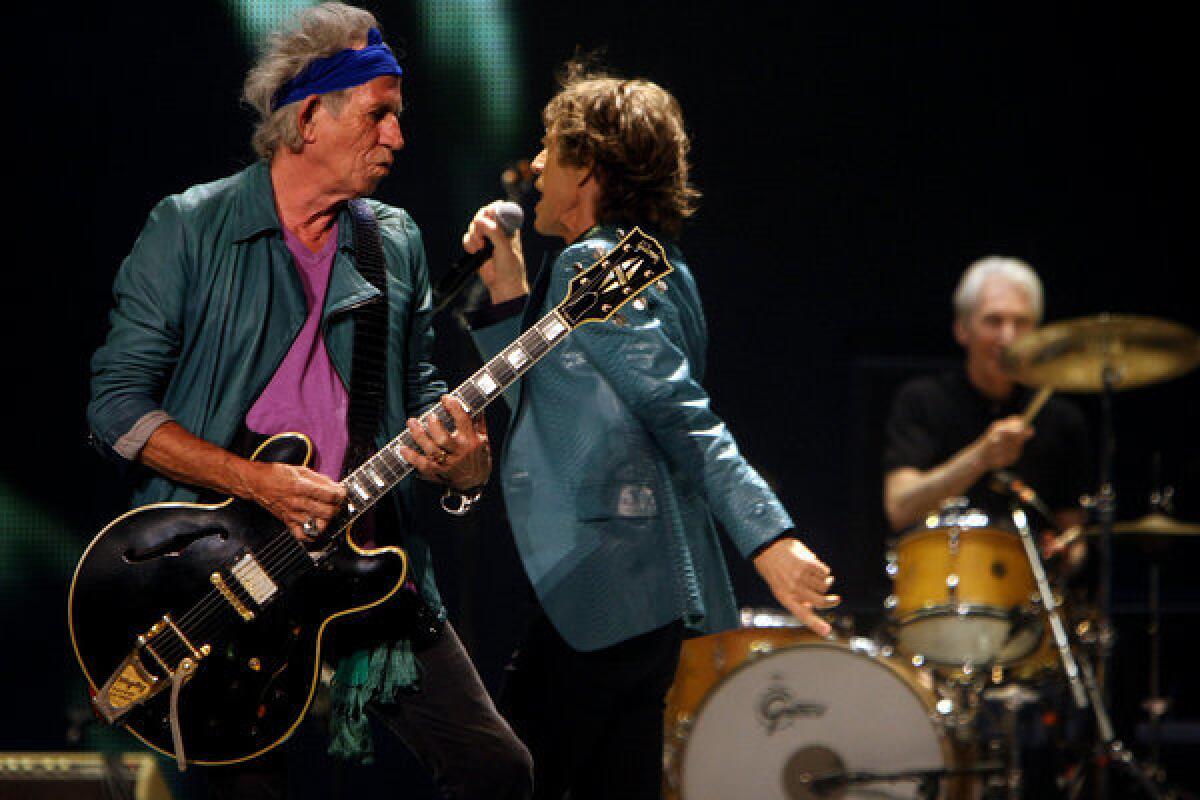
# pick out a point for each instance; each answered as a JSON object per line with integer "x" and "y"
{"x": 306, "y": 395}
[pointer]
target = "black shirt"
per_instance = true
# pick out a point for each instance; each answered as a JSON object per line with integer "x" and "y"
{"x": 934, "y": 417}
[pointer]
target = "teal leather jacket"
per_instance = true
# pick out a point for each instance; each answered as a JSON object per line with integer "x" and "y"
{"x": 207, "y": 304}
{"x": 615, "y": 466}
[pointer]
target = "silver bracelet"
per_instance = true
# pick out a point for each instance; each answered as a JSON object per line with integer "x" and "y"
{"x": 463, "y": 501}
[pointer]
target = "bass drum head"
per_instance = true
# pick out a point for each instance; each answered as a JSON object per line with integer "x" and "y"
{"x": 815, "y": 708}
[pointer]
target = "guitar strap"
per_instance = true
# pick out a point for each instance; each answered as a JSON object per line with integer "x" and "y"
{"x": 368, "y": 371}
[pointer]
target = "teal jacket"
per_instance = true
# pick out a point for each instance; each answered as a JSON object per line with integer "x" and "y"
{"x": 615, "y": 466}
{"x": 207, "y": 304}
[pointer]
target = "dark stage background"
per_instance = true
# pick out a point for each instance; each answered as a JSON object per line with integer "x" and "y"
{"x": 854, "y": 160}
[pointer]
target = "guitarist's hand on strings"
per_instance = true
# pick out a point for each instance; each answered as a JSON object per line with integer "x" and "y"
{"x": 799, "y": 580}
{"x": 461, "y": 459}
{"x": 296, "y": 495}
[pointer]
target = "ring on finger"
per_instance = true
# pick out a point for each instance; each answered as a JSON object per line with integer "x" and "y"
{"x": 440, "y": 456}
{"x": 309, "y": 527}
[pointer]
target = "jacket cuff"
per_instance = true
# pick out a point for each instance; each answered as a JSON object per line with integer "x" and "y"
{"x": 790, "y": 533}
{"x": 491, "y": 314}
{"x": 130, "y": 444}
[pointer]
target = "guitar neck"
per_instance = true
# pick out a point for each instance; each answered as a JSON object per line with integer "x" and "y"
{"x": 383, "y": 471}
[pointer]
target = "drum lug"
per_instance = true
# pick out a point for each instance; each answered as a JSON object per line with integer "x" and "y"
{"x": 682, "y": 726}
{"x": 761, "y": 647}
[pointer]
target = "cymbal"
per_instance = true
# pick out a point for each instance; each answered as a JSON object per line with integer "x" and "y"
{"x": 1075, "y": 355}
{"x": 1155, "y": 524}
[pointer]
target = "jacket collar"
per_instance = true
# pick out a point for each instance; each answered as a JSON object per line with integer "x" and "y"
{"x": 256, "y": 203}
{"x": 256, "y": 213}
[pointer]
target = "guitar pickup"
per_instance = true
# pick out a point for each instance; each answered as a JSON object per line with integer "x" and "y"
{"x": 253, "y": 579}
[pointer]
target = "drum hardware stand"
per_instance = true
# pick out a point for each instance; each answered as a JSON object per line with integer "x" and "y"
{"x": 1155, "y": 704}
{"x": 1080, "y": 676}
{"x": 1012, "y": 698}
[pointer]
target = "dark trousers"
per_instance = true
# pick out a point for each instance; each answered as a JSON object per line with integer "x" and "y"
{"x": 593, "y": 720}
{"x": 450, "y": 725}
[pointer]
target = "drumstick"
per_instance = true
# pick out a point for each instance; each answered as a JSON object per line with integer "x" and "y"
{"x": 1035, "y": 405}
{"x": 1065, "y": 539}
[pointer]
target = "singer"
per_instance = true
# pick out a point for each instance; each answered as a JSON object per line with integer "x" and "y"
{"x": 615, "y": 465}
{"x": 947, "y": 433}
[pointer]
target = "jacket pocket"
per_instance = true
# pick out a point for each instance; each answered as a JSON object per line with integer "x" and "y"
{"x": 617, "y": 500}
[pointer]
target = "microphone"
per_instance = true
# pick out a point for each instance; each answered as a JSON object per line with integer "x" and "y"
{"x": 510, "y": 217}
{"x": 1006, "y": 482}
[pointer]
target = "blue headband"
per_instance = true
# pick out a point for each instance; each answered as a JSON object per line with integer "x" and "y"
{"x": 341, "y": 70}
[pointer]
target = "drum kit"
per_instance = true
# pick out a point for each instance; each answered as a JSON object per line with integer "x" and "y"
{"x": 929, "y": 704}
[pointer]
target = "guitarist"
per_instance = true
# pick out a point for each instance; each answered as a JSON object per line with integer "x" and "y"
{"x": 235, "y": 315}
{"x": 616, "y": 467}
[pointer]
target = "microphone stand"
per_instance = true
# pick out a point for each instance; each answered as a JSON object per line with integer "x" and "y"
{"x": 1080, "y": 676}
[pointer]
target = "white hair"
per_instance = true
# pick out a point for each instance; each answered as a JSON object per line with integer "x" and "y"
{"x": 1012, "y": 270}
{"x": 314, "y": 33}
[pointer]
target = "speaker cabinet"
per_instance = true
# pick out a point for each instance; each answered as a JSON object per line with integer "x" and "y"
{"x": 81, "y": 776}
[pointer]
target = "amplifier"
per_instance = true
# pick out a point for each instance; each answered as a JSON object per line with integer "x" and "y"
{"x": 81, "y": 776}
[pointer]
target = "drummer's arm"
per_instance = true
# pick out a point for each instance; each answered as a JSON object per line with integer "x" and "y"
{"x": 909, "y": 493}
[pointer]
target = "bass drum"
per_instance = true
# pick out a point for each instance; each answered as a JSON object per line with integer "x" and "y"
{"x": 796, "y": 709}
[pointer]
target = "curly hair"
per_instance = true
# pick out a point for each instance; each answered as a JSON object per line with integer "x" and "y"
{"x": 316, "y": 32}
{"x": 631, "y": 134}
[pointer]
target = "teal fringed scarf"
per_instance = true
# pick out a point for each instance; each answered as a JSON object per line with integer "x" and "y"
{"x": 379, "y": 673}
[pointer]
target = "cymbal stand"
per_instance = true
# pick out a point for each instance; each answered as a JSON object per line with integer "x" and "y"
{"x": 1105, "y": 509}
{"x": 1155, "y": 704}
{"x": 1080, "y": 677}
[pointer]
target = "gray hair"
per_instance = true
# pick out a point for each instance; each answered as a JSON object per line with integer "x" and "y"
{"x": 314, "y": 33}
{"x": 1013, "y": 270}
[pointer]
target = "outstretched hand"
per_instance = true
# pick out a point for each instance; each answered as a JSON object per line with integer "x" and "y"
{"x": 799, "y": 580}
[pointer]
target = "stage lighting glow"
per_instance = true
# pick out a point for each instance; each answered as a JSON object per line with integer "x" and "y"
{"x": 256, "y": 18}
{"x": 471, "y": 50}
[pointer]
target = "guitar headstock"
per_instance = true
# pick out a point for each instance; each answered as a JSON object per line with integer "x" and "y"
{"x": 595, "y": 294}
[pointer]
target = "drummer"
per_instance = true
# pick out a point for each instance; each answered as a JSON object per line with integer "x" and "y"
{"x": 947, "y": 433}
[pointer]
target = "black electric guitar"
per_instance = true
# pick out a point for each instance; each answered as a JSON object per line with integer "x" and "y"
{"x": 199, "y": 627}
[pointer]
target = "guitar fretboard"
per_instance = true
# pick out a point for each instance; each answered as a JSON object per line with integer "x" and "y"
{"x": 384, "y": 470}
